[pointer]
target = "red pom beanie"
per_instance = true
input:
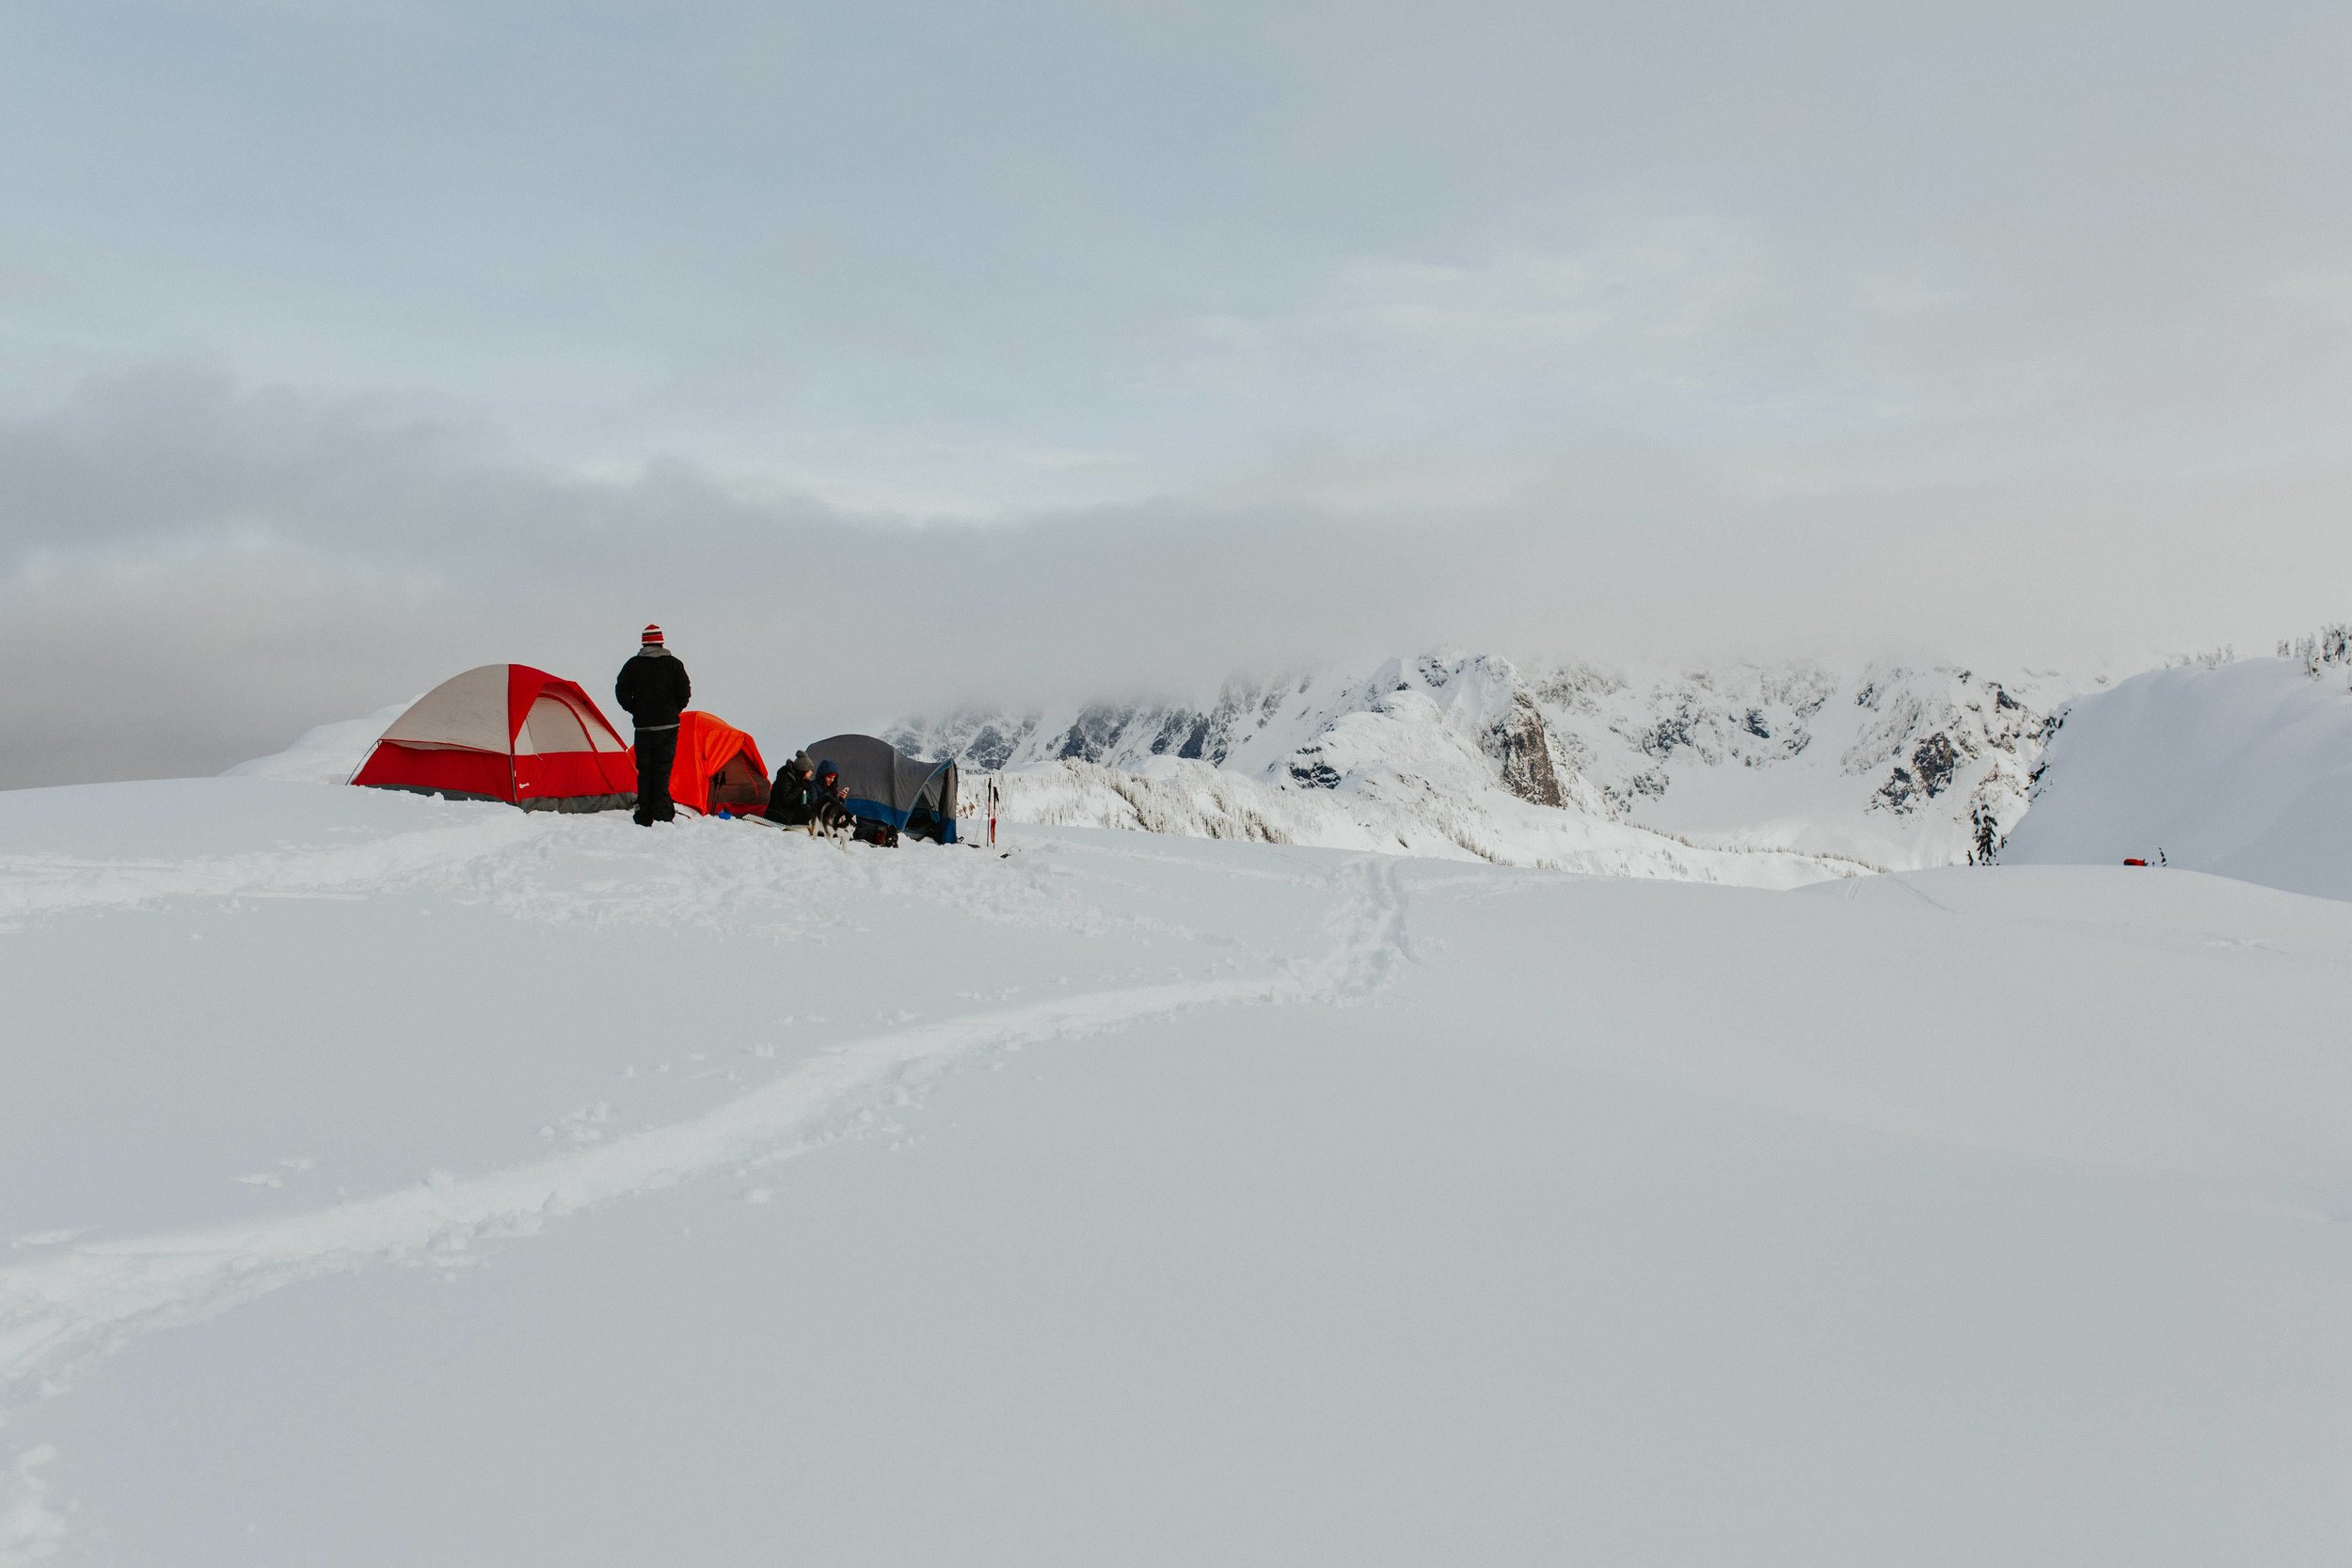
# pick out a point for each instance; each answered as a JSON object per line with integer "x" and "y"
{"x": 652, "y": 639}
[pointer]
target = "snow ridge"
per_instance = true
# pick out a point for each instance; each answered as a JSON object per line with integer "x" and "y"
{"x": 1690, "y": 773}
{"x": 2241, "y": 768}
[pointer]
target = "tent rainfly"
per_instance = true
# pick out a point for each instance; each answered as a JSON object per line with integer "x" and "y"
{"x": 718, "y": 768}
{"x": 506, "y": 732}
{"x": 885, "y": 786}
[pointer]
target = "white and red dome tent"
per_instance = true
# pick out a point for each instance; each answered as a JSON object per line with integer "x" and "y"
{"x": 506, "y": 732}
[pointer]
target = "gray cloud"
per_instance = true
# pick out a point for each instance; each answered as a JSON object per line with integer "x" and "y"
{"x": 190, "y": 574}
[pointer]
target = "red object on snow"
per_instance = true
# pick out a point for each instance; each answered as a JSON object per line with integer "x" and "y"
{"x": 2135, "y": 863}
{"x": 506, "y": 732}
{"x": 719, "y": 768}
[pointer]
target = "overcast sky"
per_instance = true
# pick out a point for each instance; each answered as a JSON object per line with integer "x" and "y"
{"x": 897, "y": 354}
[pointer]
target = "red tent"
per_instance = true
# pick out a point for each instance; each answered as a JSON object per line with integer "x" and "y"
{"x": 506, "y": 732}
{"x": 718, "y": 766}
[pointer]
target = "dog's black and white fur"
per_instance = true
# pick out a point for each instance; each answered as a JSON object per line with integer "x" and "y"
{"x": 831, "y": 819}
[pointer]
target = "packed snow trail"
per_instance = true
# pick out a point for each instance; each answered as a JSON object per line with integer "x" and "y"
{"x": 97, "y": 1295}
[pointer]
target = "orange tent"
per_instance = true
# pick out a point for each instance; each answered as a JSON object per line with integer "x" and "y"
{"x": 718, "y": 768}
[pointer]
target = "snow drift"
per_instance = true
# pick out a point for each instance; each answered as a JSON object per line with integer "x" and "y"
{"x": 2242, "y": 770}
{"x": 326, "y": 753}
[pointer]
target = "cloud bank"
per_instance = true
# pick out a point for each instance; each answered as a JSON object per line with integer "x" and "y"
{"x": 191, "y": 573}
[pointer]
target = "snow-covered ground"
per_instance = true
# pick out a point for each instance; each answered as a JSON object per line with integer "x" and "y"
{"x": 394, "y": 1181}
{"x": 2244, "y": 770}
{"x": 1453, "y": 816}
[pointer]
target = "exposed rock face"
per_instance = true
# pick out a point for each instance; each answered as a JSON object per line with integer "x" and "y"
{"x": 1972, "y": 734}
{"x": 1942, "y": 758}
{"x": 1112, "y": 733}
{"x": 1306, "y": 767}
{"x": 985, "y": 742}
{"x": 1523, "y": 744}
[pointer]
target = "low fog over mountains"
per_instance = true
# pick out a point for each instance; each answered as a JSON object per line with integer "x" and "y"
{"x": 1737, "y": 771}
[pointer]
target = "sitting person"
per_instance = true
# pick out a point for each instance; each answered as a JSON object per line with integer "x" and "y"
{"x": 793, "y": 801}
{"x": 829, "y": 802}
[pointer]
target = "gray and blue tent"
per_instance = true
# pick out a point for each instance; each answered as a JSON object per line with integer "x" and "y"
{"x": 885, "y": 786}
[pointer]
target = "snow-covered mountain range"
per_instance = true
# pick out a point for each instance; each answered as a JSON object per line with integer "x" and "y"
{"x": 1749, "y": 773}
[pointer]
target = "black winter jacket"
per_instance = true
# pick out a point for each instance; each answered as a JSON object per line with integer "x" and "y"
{"x": 654, "y": 689}
{"x": 829, "y": 802}
{"x": 790, "y": 800}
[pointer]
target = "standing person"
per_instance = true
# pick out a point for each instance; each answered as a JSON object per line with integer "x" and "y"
{"x": 654, "y": 689}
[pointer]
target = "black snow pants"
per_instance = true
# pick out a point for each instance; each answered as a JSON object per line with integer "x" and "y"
{"x": 656, "y": 751}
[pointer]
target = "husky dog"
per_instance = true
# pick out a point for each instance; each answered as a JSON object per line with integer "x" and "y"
{"x": 829, "y": 806}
